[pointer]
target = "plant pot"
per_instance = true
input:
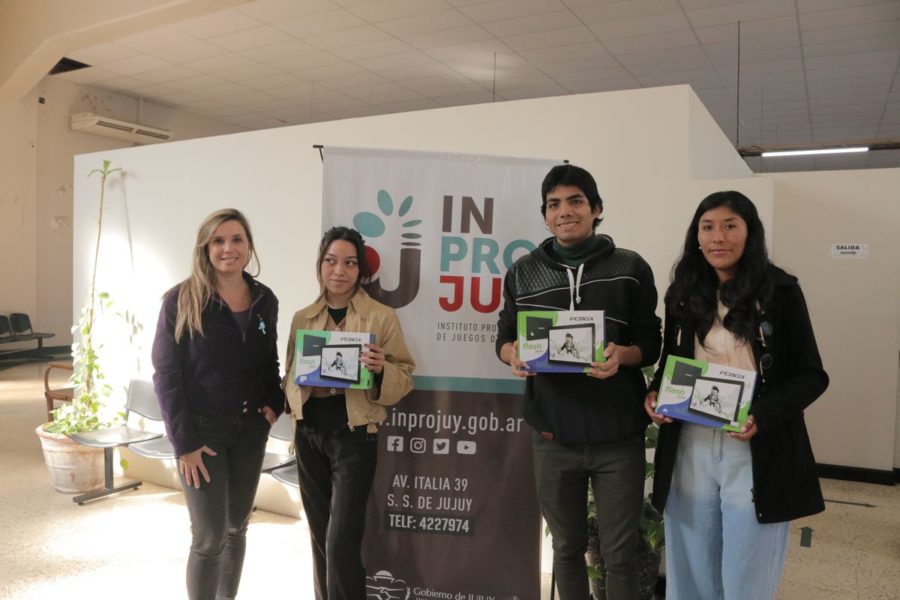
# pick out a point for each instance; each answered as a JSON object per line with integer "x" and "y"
{"x": 74, "y": 468}
{"x": 648, "y": 569}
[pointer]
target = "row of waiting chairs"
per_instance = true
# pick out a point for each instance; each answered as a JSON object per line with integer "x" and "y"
{"x": 16, "y": 327}
{"x": 141, "y": 403}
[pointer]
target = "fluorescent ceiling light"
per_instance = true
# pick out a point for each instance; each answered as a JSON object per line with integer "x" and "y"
{"x": 813, "y": 152}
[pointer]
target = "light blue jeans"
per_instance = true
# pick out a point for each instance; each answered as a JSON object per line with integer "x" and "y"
{"x": 715, "y": 547}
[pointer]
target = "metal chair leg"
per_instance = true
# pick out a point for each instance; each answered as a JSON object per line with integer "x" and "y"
{"x": 108, "y": 484}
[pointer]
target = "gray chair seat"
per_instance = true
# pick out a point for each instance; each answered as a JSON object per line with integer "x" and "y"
{"x": 114, "y": 437}
{"x": 141, "y": 401}
{"x": 158, "y": 448}
{"x": 287, "y": 475}
{"x": 282, "y": 431}
{"x": 275, "y": 460}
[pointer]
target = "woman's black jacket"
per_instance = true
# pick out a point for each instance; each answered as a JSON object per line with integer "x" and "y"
{"x": 785, "y": 485}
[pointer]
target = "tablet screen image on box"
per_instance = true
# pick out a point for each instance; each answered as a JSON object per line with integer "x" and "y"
{"x": 571, "y": 344}
{"x": 703, "y": 393}
{"x": 341, "y": 362}
{"x": 331, "y": 359}
{"x": 560, "y": 341}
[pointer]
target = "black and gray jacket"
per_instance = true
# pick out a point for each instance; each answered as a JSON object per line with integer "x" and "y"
{"x": 785, "y": 484}
{"x": 575, "y": 408}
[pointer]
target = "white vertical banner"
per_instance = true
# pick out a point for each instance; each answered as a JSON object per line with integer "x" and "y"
{"x": 453, "y": 512}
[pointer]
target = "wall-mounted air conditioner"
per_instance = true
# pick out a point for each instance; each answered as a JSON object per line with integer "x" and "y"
{"x": 120, "y": 130}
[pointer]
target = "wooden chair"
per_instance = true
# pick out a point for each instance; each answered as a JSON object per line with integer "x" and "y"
{"x": 52, "y": 395}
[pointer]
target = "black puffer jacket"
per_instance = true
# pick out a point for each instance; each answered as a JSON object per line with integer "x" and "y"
{"x": 573, "y": 407}
{"x": 785, "y": 485}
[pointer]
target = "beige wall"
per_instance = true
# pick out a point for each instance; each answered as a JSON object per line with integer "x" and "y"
{"x": 36, "y": 182}
{"x": 18, "y": 206}
{"x": 854, "y": 304}
{"x": 36, "y": 34}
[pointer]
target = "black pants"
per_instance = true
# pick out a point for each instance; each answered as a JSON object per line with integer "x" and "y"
{"x": 615, "y": 470}
{"x": 336, "y": 471}
{"x": 220, "y": 510}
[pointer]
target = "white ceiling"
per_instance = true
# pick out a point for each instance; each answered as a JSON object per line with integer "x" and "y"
{"x": 811, "y": 71}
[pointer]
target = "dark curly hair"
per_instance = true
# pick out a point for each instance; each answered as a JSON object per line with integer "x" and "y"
{"x": 695, "y": 288}
{"x": 346, "y": 234}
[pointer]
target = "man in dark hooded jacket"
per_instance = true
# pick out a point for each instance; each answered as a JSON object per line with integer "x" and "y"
{"x": 587, "y": 427}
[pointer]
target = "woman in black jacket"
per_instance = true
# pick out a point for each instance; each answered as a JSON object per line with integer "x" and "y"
{"x": 216, "y": 376}
{"x": 728, "y": 497}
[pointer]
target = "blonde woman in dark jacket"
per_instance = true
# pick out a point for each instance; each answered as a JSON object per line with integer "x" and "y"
{"x": 216, "y": 376}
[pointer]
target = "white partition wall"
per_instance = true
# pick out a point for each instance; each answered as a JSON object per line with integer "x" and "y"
{"x": 854, "y": 304}
{"x": 655, "y": 153}
{"x": 639, "y": 145}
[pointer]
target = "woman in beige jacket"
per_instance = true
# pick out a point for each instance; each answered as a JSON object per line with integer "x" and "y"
{"x": 336, "y": 428}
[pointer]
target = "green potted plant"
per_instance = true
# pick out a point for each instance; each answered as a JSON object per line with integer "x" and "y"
{"x": 76, "y": 468}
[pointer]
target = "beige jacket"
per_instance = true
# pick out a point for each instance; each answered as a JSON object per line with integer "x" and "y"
{"x": 364, "y": 407}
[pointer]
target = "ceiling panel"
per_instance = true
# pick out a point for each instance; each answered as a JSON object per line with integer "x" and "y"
{"x": 426, "y": 23}
{"x": 533, "y": 24}
{"x": 277, "y": 11}
{"x": 388, "y": 10}
{"x": 500, "y": 10}
{"x": 248, "y": 39}
{"x": 811, "y": 71}
{"x": 156, "y": 39}
{"x": 625, "y": 28}
{"x": 216, "y": 23}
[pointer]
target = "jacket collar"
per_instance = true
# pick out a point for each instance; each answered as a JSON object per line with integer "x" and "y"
{"x": 257, "y": 290}
{"x": 545, "y": 254}
{"x": 360, "y": 303}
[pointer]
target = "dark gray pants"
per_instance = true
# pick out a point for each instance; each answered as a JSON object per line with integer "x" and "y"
{"x": 616, "y": 474}
{"x": 336, "y": 471}
{"x": 220, "y": 510}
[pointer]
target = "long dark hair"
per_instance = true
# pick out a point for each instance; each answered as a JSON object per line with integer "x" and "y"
{"x": 695, "y": 288}
{"x": 348, "y": 235}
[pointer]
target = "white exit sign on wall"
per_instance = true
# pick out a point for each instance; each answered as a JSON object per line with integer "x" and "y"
{"x": 850, "y": 250}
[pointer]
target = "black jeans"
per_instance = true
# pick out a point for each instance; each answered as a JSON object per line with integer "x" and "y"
{"x": 336, "y": 471}
{"x": 220, "y": 510}
{"x": 615, "y": 470}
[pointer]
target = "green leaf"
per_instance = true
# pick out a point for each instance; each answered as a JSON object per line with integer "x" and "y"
{"x": 405, "y": 206}
{"x": 385, "y": 202}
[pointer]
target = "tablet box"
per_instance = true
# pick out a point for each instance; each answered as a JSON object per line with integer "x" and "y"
{"x": 331, "y": 359}
{"x": 564, "y": 341}
{"x": 704, "y": 393}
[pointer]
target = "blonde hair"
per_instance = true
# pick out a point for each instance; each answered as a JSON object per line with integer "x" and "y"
{"x": 195, "y": 292}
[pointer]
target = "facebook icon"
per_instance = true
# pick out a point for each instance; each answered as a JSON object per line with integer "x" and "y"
{"x": 395, "y": 443}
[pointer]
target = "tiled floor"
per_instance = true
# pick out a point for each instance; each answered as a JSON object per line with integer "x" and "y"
{"x": 135, "y": 546}
{"x": 855, "y": 546}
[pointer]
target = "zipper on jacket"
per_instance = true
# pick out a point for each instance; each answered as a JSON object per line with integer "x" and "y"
{"x": 253, "y": 302}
